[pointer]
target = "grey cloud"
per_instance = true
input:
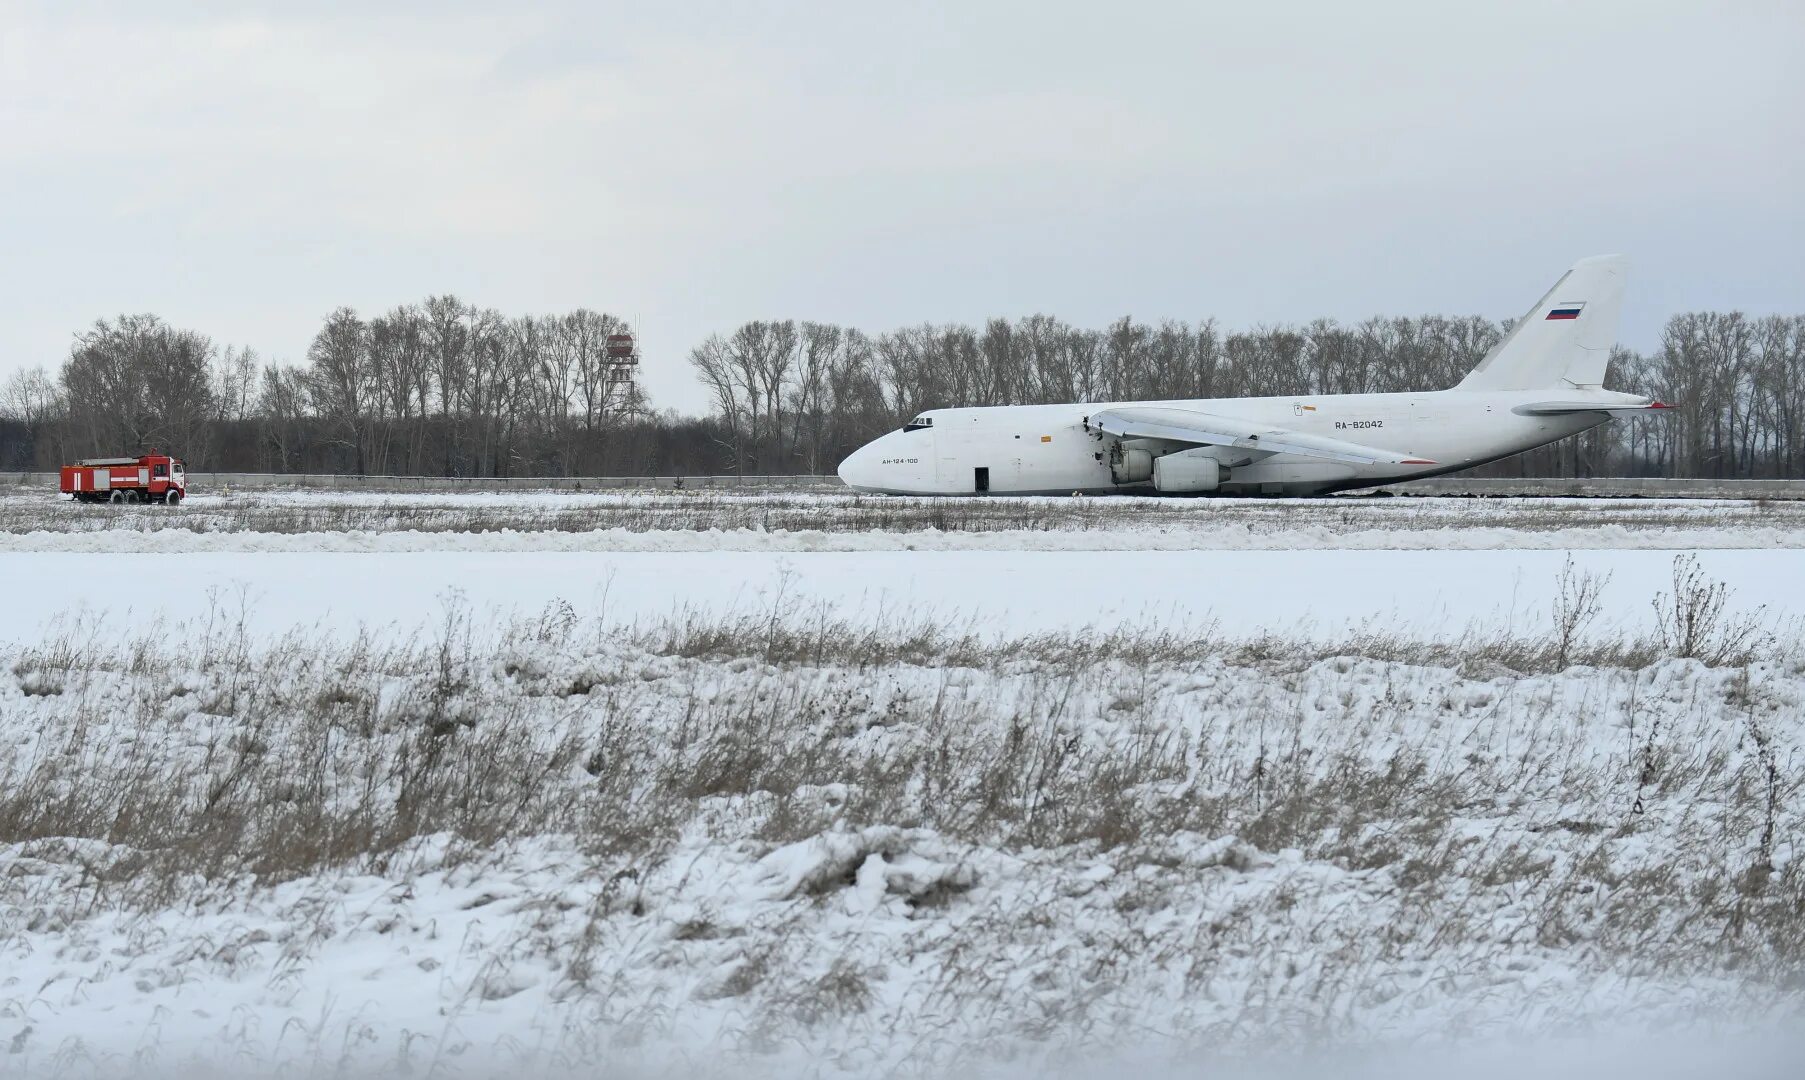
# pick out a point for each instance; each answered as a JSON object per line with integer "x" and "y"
{"x": 245, "y": 170}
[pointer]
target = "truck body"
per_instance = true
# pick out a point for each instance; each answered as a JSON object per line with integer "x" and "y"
{"x": 149, "y": 478}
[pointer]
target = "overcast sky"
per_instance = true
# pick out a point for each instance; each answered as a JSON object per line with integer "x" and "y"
{"x": 244, "y": 170}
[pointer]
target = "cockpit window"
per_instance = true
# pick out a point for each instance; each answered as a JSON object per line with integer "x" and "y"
{"x": 918, "y": 423}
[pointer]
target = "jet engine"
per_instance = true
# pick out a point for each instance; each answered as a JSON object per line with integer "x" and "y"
{"x": 1187, "y": 471}
{"x": 1130, "y": 464}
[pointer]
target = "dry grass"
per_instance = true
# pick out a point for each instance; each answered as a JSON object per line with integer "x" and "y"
{"x": 1497, "y": 803}
{"x": 1693, "y": 621}
{"x": 291, "y": 758}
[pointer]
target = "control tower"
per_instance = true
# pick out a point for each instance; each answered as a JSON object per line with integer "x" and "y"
{"x": 620, "y": 374}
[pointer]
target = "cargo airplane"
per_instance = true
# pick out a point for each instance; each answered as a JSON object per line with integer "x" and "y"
{"x": 1543, "y": 382}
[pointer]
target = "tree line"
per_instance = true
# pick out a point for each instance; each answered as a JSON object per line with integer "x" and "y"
{"x": 797, "y": 395}
{"x": 436, "y": 388}
{"x": 447, "y": 388}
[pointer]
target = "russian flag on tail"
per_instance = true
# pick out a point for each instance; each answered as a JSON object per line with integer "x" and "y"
{"x": 1565, "y": 311}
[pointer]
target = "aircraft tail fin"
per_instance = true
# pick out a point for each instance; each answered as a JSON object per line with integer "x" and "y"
{"x": 1565, "y": 339}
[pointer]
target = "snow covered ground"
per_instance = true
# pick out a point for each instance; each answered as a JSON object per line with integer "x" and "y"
{"x": 328, "y": 784}
{"x": 347, "y": 560}
{"x": 575, "y": 850}
{"x": 706, "y": 521}
{"x": 1425, "y": 593}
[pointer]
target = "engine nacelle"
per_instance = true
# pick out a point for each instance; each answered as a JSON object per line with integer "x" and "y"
{"x": 1186, "y": 471}
{"x": 1131, "y": 466}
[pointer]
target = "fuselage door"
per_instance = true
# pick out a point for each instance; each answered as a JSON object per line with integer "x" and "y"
{"x": 955, "y": 447}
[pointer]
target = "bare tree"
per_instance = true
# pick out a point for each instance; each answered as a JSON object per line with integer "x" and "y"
{"x": 135, "y": 384}
{"x": 32, "y": 399}
{"x": 714, "y": 364}
{"x": 763, "y": 354}
{"x": 235, "y": 377}
{"x": 341, "y": 384}
{"x": 809, "y": 402}
{"x": 403, "y": 381}
{"x": 282, "y": 413}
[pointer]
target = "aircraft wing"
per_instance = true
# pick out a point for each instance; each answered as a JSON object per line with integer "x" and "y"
{"x": 1208, "y": 429}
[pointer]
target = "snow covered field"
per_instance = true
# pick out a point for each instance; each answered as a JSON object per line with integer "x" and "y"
{"x": 341, "y": 561}
{"x": 258, "y": 521}
{"x": 666, "y": 785}
{"x": 1422, "y": 593}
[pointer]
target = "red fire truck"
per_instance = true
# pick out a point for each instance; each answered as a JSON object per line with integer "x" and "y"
{"x": 152, "y": 478}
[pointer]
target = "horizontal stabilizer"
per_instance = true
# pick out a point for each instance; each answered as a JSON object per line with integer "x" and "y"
{"x": 1208, "y": 429}
{"x": 1560, "y": 408}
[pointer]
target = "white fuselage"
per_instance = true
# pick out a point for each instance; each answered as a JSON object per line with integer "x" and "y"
{"x": 1050, "y": 449}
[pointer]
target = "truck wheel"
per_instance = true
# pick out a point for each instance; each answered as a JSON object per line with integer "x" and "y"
{"x": 116, "y": 498}
{"x": 172, "y": 497}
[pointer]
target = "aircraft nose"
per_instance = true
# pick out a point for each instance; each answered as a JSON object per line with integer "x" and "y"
{"x": 859, "y": 470}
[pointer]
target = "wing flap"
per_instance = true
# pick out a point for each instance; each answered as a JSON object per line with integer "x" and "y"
{"x": 1208, "y": 429}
